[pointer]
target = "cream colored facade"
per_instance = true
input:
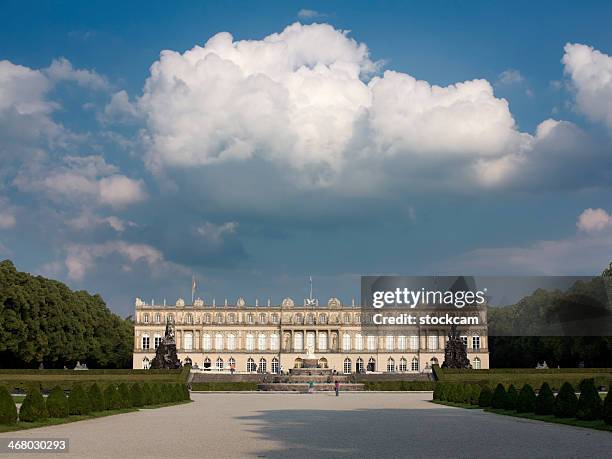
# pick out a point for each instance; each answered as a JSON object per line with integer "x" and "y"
{"x": 268, "y": 338}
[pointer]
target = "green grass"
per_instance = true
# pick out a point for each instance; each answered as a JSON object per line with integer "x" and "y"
{"x": 18, "y": 398}
{"x": 456, "y": 405}
{"x": 598, "y": 425}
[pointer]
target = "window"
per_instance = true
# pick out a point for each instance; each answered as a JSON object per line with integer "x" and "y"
{"x": 323, "y": 319}
{"x": 188, "y": 341}
{"x": 219, "y": 364}
{"x": 145, "y": 341}
{"x": 322, "y": 341}
{"x": 158, "y": 318}
{"x": 206, "y": 318}
{"x": 218, "y": 341}
{"x": 262, "y": 318}
{"x": 275, "y": 318}
{"x": 476, "y": 342}
{"x": 464, "y": 340}
{"x": 206, "y": 362}
{"x": 275, "y": 367}
{"x": 157, "y": 341}
{"x": 261, "y": 342}
{"x": 189, "y": 319}
{"x": 477, "y": 365}
{"x": 298, "y": 318}
{"x": 250, "y": 319}
{"x": 347, "y": 366}
{"x": 403, "y": 366}
{"x": 231, "y": 342}
{"x": 359, "y": 366}
{"x": 250, "y": 342}
{"x": 145, "y": 318}
{"x": 357, "y": 318}
{"x": 415, "y": 364}
{"x": 274, "y": 342}
{"x": 401, "y": 343}
{"x": 250, "y": 365}
{"x": 310, "y": 340}
{"x": 346, "y": 342}
{"x": 432, "y": 342}
{"x": 145, "y": 363}
{"x": 170, "y": 318}
{"x": 219, "y": 318}
{"x": 371, "y": 364}
{"x": 188, "y": 361}
{"x": 358, "y": 342}
{"x": 371, "y": 343}
{"x": 231, "y": 318}
{"x": 298, "y": 341}
{"x": 231, "y": 363}
{"x": 389, "y": 343}
{"x": 310, "y": 319}
{"x": 262, "y": 366}
{"x": 347, "y": 318}
{"x": 414, "y": 342}
{"x": 390, "y": 366}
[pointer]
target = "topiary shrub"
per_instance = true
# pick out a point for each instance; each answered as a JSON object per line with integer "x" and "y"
{"x": 585, "y": 382}
{"x": 186, "y": 393}
{"x": 607, "y": 408}
{"x": 486, "y": 395}
{"x": 125, "y": 396}
{"x": 499, "y": 397}
{"x": 156, "y": 397}
{"x": 136, "y": 395}
{"x": 78, "y": 401}
{"x": 545, "y": 401}
{"x": 8, "y": 409}
{"x": 475, "y": 390}
{"x": 511, "y": 398}
{"x": 437, "y": 390}
{"x": 112, "y": 401}
{"x": 147, "y": 394}
{"x": 33, "y": 407}
{"x": 566, "y": 402}
{"x": 95, "y": 397}
{"x": 443, "y": 391}
{"x": 589, "y": 403}
{"x": 178, "y": 392}
{"x": 526, "y": 400}
{"x": 57, "y": 403}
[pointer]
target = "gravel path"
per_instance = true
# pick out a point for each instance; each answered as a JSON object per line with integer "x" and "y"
{"x": 320, "y": 425}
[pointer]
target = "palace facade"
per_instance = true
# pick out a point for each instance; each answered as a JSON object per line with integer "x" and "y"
{"x": 270, "y": 338}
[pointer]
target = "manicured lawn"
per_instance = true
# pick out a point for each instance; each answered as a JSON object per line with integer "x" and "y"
{"x": 599, "y": 425}
{"x": 457, "y": 405}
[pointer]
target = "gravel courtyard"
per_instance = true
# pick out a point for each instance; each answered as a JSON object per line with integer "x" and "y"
{"x": 320, "y": 425}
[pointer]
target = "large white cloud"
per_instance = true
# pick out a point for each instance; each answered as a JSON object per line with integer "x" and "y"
{"x": 591, "y": 74}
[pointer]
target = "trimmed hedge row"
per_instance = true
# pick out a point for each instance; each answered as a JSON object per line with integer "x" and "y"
{"x": 82, "y": 400}
{"x": 398, "y": 385}
{"x": 224, "y": 386}
{"x": 587, "y": 406}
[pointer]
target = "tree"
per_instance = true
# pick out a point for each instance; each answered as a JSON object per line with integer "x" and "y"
{"x": 526, "y": 400}
{"x": 78, "y": 401}
{"x": 33, "y": 407}
{"x": 8, "y": 409}
{"x": 566, "y": 402}
{"x": 57, "y": 403}
{"x": 499, "y": 397}
{"x": 589, "y": 403}
{"x": 545, "y": 401}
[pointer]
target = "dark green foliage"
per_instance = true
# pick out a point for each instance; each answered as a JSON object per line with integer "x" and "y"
{"x": 566, "y": 402}
{"x": 112, "y": 400}
{"x": 526, "y": 400}
{"x": 33, "y": 407}
{"x": 607, "y": 408}
{"x": 136, "y": 395}
{"x": 499, "y": 397}
{"x": 78, "y": 401}
{"x": 125, "y": 396}
{"x": 585, "y": 382}
{"x": 474, "y": 394}
{"x": 156, "y": 397}
{"x": 392, "y": 385}
{"x": 186, "y": 393}
{"x": 147, "y": 394}
{"x": 8, "y": 409}
{"x": 486, "y": 396}
{"x": 545, "y": 401}
{"x": 42, "y": 320}
{"x": 511, "y": 397}
{"x": 178, "y": 392}
{"x": 95, "y": 397}
{"x": 57, "y": 403}
{"x": 589, "y": 402}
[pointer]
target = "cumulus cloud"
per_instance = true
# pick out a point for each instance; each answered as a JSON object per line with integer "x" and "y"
{"x": 590, "y": 72}
{"x": 62, "y": 70}
{"x": 594, "y": 220}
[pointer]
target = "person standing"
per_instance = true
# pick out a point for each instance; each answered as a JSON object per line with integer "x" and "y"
{"x": 337, "y": 387}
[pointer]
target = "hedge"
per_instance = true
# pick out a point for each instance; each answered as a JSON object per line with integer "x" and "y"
{"x": 526, "y": 400}
{"x": 125, "y": 396}
{"x": 57, "y": 403}
{"x": 589, "y": 403}
{"x": 499, "y": 397}
{"x": 33, "y": 407}
{"x": 8, "y": 409}
{"x": 607, "y": 408}
{"x": 96, "y": 399}
{"x": 136, "y": 396}
{"x": 224, "y": 386}
{"x": 112, "y": 401}
{"x": 398, "y": 385}
{"x": 78, "y": 401}
{"x": 545, "y": 401}
{"x": 511, "y": 397}
{"x": 486, "y": 395}
{"x": 565, "y": 402}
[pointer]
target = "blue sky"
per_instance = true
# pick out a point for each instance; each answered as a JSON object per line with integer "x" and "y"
{"x": 253, "y": 162}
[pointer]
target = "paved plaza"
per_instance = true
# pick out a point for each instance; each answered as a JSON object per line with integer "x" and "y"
{"x": 221, "y": 425}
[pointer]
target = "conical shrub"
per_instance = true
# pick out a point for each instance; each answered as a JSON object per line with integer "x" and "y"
{"x": 589, "y": 403}
{"x": 8, "y": 409}
{"x": 136, "y": 395}
{"x": 526, "y": 400}
{"x": 33, "y": 407}
{"x": 156, "y": 397}
{"x": 486, "y": 395}
{"x": 566, "y": 402}
{"x": 78, "y": 401}
{"x": 511, "y": 397}
{"x": 499, "y": 397}
{"x": 95, "y": 397}
{"x": 545, "y": 401}
{"x": 147, "y": 394}
{"x": 112, "y": 400}
{"x": 607, "y": 408}
{"x": 57, "y": 403}
{"x": 125, "y": 395}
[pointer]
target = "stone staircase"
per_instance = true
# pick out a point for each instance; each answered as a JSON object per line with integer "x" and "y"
{"x": 299, "y": 380}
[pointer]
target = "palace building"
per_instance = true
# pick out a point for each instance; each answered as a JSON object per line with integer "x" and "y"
{"x": 269, "y": 338}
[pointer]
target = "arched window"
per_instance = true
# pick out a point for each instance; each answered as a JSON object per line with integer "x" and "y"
{"x": 401, "y": 343}
{"x": 250, "y": 342}
{"x": 322, "y": 341}
{"x": 218, "y": 341}
{"x": 477, "y": 365}
{"x": 250, "y": 365}
{"x": 433, "y": 361}
{"x": 261, "y": 342}
{"x": 219, "y": 364}
{"x": 403, "y": 366}
{"x": 188, "y": 361}
{"x": 390, "y": 366}
{"x": 415, "y": 364}
{"x": 262, "y": 318}
{"x": 145, "y": 341}
{"x": 389, "y": 342}
{"x": 231, "y": 363}
{"x": 275, "y": 367}
{"x": 274, "y": 342}
{"x": 157, "y": 318}
{"x": 358, "y": 342}
{"x": 297, "y": 363}
{"x": 188, "y": 341}
{"x": 145, "y": 318}
{"x": 263, "y": 366}
{"x": 206, "y": 363}
{"x": 346, "y": 342}
{"x": 323, "y": 362}
{"x": 371, "y": 364}
{"x": 347, "y": 366}
{"x": 157, "y": 340}
{"x": 206, "y": 342}
{"x": 359, "y": 365}
{"x": 145, "y": 363}
{"x": 323, "y": 319}
{"x": 231, "y": 342}
{"x": 371, "y": 343}
{"x": 298, "y": 341}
